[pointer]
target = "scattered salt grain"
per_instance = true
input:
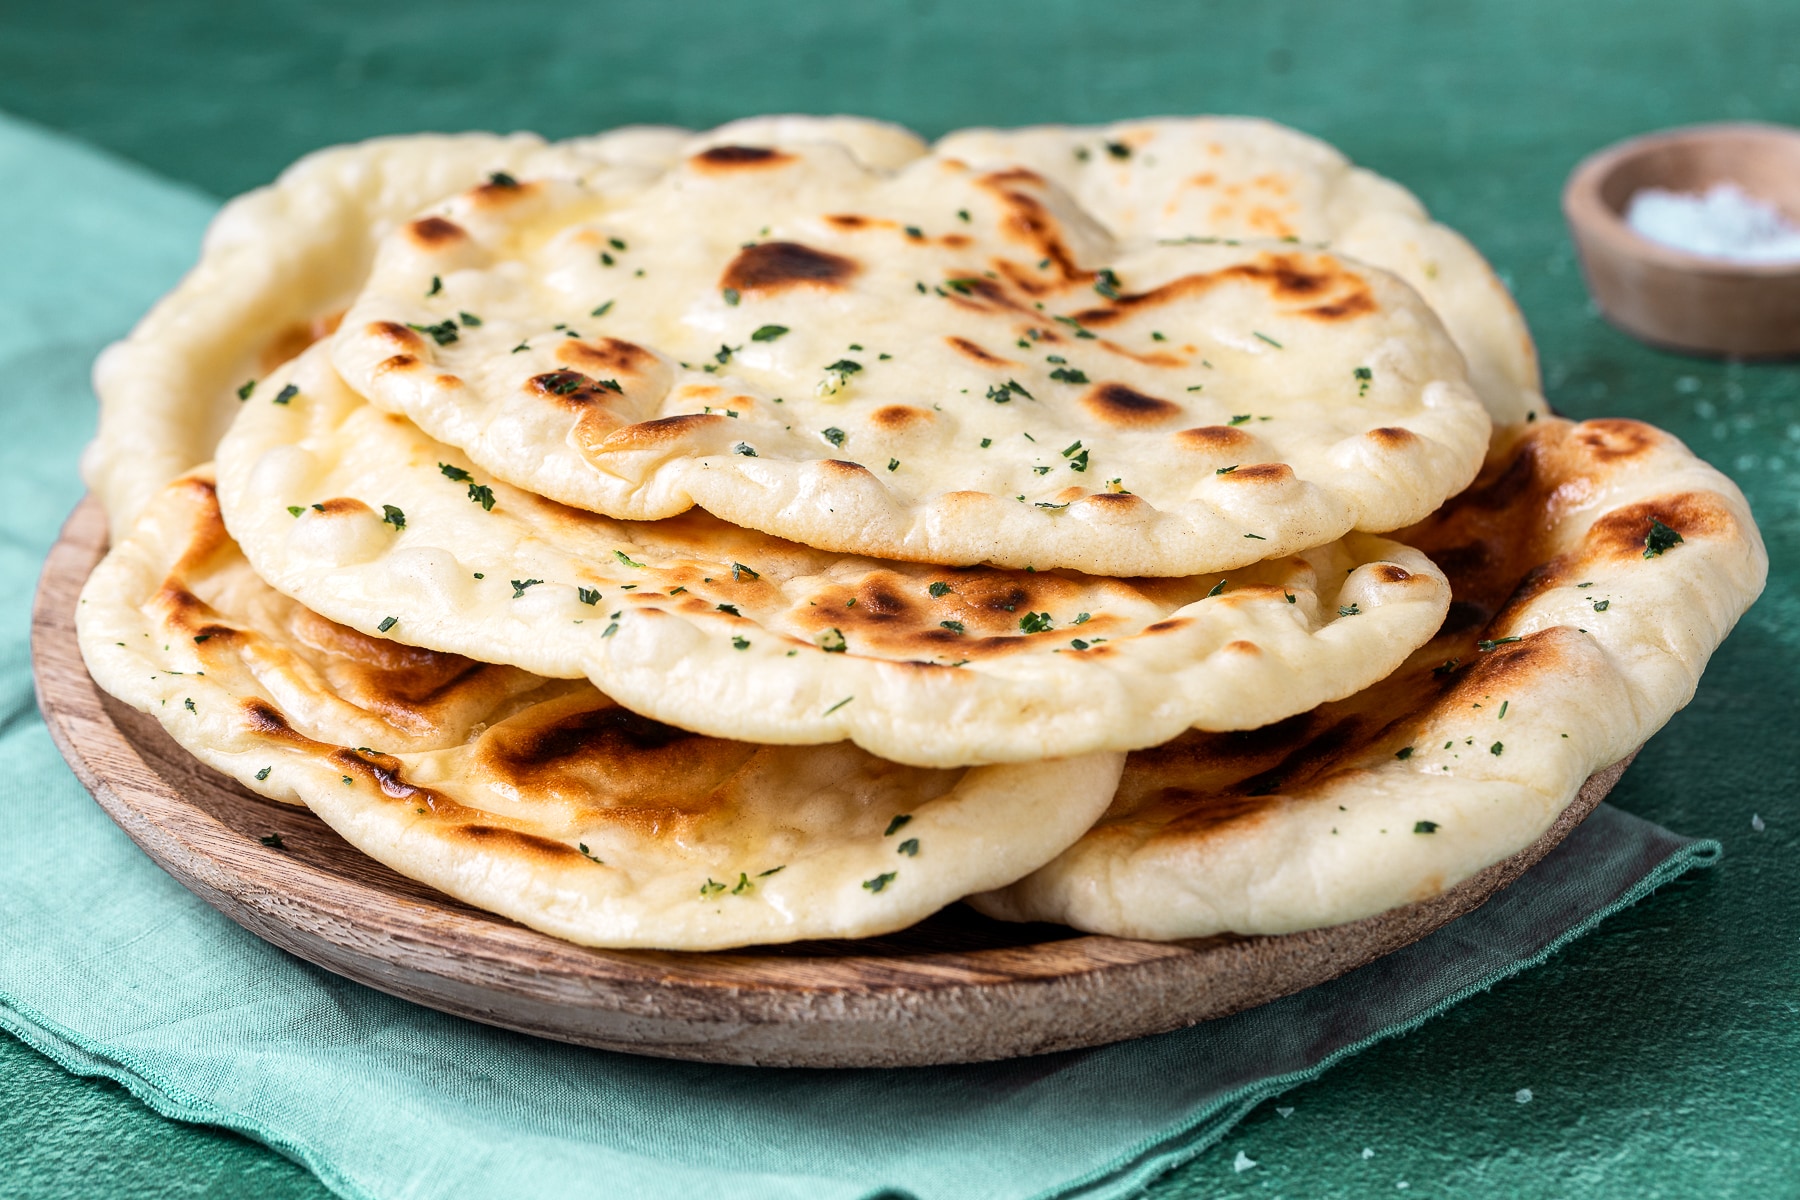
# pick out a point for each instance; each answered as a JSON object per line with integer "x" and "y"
{"x": 1756, "y": 822}
{"x": 1242, "y": 1163}
{"x": 1284, "y": 1112}
{"x": 1403, "y": 1185}
{"x": 1368, "y": 1153}
{"x": 1725, "y": 222}
{"x": 1523, "y": 1095}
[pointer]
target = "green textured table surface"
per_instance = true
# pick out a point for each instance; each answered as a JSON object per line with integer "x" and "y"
{"x": 1662, "y": 1053}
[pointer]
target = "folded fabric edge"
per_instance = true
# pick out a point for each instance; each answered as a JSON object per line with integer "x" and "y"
{"x": 1134, "y": 1169}
{"x": 64, "y": 1047}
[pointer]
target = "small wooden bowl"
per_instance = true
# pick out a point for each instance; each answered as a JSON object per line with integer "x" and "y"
{"x": 1668, "y": 297}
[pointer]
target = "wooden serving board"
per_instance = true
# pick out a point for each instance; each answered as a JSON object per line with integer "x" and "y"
{"x": 955, "y": 988}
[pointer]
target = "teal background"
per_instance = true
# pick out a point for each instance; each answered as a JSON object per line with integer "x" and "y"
{"x": 1663, "y": 1052}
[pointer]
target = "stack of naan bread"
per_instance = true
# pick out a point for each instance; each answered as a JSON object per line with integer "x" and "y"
{"x": 787, "y": 531}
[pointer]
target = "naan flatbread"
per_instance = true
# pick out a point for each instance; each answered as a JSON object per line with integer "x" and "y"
{"x": 281, "y": 263}
{"x": 1247, "y": 178}
{"x": 543, "y": 800}
{"x": 725, "y": 631}
{"x": 944, "y": 364}
{"x": 1595, "y": 568}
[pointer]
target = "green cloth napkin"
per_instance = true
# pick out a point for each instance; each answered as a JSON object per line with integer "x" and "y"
{"x": 111, "y": 968}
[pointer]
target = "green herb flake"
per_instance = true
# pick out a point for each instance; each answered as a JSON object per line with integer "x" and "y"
{"x": 387, "y": 623}
{"x": 271, "y": 840}
{"x": 745, "y": 449}
{"x": 1035, "y": 622}
{"x": 1069, "y": 375}
{"x": 1226, "y": 470}
{"x": 482, "y": 494}
{"x": 1485, "y": 646}
{"x": 248, "y": 386}
{"x": 768, "y": 333}
{"x": 189, "y": 705}
{"x": 910, "y": 848}
{"x": 710, "y": 888}
{"x": 895, "y": 825}
{"x": 264, "y": 773}
{"x": 729, "y": 609}
{"x": 1118, "y": 149}
{"x": 610, "y": 630}
{"x": 1349, "y": 610}
{"x": 1602, "y": 605}
{"x": 588, "y": 854}
{"x": 893, "y": 464}
{"x": 291, "y": 390}
{"x": 393, "y": 516}
{"x": 962, "y": 214}
{"x": 1503, "y": 707}
{"x": 839, "y": 704}
{"x": 443, "y": 333}
{"x": 739, "y": 643}
{"x": 955, "y": 627}
{"x": 1659, "y": 539}
{"x": 588, "y": 596}
{"x": 455, "y": 474}
{"x": 1404, "y": 753}
{"x": 832, "y": 641}
{"x": 986, "y": 442}
{"x": 1240, "y": 419}
{"x": 1265, "y": 337}
{"x": 1106, "y": 283}
{"x": 740, "y": 572}
{"x": 626, "y": 559}
{"x": 602, "y": 310}
{"x": 1496, "y": 748}
{"x": 1425, "y": 827}
{"x": 938, "y": 589}
{"x": 502, "y": 180}
{"x": 469, "y": 319}
{"x": 1363, "y": 376}
{"x": 295, "y": 510}
{"x": 880, "y": 881}
{"x": 519, "y": 586}
{"x": 835, "y": 436}
{"x": 1217, "y": 588}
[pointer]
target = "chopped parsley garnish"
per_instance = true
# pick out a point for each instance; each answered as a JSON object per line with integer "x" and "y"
{"x": 271, "y": 840}
{"x": 622, "y": 557}
{"x": 1602, "y": 605}
{"x": 1226, "y": 470}
{"x": 939, "y": 588}
{"x": 189, "y": 705}
{"x": 1073, "y": 447}
{"x": 1363, "y": 376}
{"x": 1072, "y": 323}
{"x": 1078, "y": 643}
{"x": 1485, "y": 646}
{"x": 1035, "y": 622}
{"x": 1069, "y": 375}
{"x": 602, "y": 310}
{"x": 519, "y": 586}
{"x": 291, "y": 390}
{"x": 845, "y": 366}
{"x": 1079, "y": 462}
{"x": 880, "y": 881}
{"x": 832, "y": 641}
{"x": 443, "y": 333}
{"x": 295, "y": 509}
{"x": 1496, "y": 748}
{"x": 1106, "y": 283}
{"x": 387, "y": 623}
{"x": 745, "y": 449}
{"x": 1504, "y": 704}
{"x": 469, "y": 319}
{"x": 610, "y": 630}
{"x": 264, "y": 773}
{"x": 1349, "y": 610}
{"x": 711, "y": 887}
{"x": 962, "y": 214}
{"x": 1081, "y": 619}
{"x": 588, "y": 854}
{"x": 768, "y": 333}
{"x": 910, "y": 848}
{"x": 835, "y": 436}
{"x": 839, "y": 704}
{"x": 1659, "y": 539}
{"x": 588, "y": 596}
{"x": 986, "y": 442}
{"x": 455, "y": 474}
{"x": 914, "y": 232}
{"x": 393, "y": 516}
{"x": 1239, "y": 419}
{"x": 893, "y": 464}
{"x": 953, "y": 626}
{"x": 740, "y": 571}
{"x": 1425, "y": 827}
{"x": 1265, "y": 337}
{"x": 502, "y": 179}
{"x": 1041, "y": 470}
{"x": 770, "y": 871}
{"x": 731, "y": 609}
{"x": 482, "y": 494}
{"x": 739, "y": 643}
{"x": 1404, "y": 753}
{"x": 244, "y": 391}
{"x": 896, "y": 825}
{"x": 1217, "y": 588}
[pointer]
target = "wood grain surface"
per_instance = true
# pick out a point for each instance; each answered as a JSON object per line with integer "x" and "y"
{"x": 955, "y": 988}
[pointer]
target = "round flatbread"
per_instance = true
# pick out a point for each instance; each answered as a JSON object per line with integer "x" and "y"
{"x": 281, "y": 263}
{"x": 1243, "y": 177}
{"x": 729, "y": 632}
{"x": 942, "y": 364}
{"x": 1595, "y": 569}
{"x": 543, "y": 800}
